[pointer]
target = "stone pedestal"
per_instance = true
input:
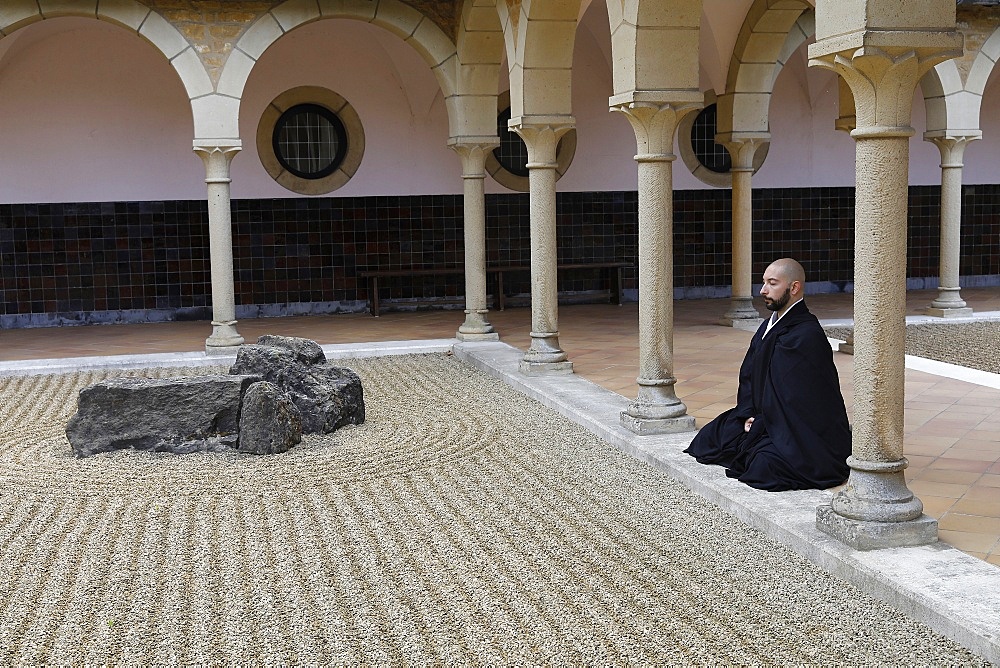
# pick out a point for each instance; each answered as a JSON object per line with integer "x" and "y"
{"x": 949, "y": 302}
{"x": 657, "y": 409}
{"x": 541, "y": 136}
{"x": 477, "y": 326}
{"x": 217, "y": 158}
{"x": 881, "y": 53}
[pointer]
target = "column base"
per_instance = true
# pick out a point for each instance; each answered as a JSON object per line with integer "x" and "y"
{"x": 741, "y": 314}
{"x": 224, "y": 339}
{"x": 649, "y": 426}
{"x": 545, "y": 368}
{"x": 959, "y": 312}
{"x": 491, "y": 336}
{"x": 864, "y": 535}
{"x": 847, "y": 347}
{"x": 746, "y": 324}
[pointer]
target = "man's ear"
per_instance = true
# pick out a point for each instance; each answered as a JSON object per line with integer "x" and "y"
{"x": 796, "y": 287}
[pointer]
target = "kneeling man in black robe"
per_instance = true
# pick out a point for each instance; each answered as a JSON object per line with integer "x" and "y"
{"x": 789, "y": 429}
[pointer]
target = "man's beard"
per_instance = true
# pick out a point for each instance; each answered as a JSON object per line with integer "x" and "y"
{"x": 779, "y": 303}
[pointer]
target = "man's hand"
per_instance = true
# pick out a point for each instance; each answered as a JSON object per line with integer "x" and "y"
{"x": 747, "y": 424}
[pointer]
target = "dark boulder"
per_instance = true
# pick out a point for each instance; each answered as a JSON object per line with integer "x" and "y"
{"x": 180, "y": 414}
{"x": 269, "y": 421}
{"x": 328, "y": 397}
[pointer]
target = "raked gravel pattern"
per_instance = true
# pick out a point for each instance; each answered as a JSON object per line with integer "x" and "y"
{"x": 975, "y": 345}
{"x": 462, "y": 523}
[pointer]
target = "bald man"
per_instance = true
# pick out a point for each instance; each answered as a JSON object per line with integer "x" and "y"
{"x": 789, "y": 429}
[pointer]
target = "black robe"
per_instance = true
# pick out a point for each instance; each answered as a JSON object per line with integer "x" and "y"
{"x": 800, "y": 437}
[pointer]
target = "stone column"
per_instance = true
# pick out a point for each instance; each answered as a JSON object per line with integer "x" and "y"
{"x": 742, "y": 313}
{"x": 876, "y": 508}
{"x": 949, "y": 302}
{"x": 217, "y": 159}
{"x": 544, "y": 356}
{"x": 657, "y": 409}
{"x": 477, "y": 326}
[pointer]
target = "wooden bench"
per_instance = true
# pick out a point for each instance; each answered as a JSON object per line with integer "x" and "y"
{"x": 611, "y": 272}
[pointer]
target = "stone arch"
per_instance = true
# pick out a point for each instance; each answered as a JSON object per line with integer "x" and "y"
{"x": 472, "y": 110}
{"x": 771, "y": 32}
{"x": 640, "y": 29}
{"x": 539, "y": 38}
{"x": 221, "y": 110}
{"x": 953, "y": 102}
{"x": 128, "y": 14}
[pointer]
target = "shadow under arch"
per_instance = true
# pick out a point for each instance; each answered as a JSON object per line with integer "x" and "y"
{"x": 221, "y": 113}
{"x": 135, "y": 18}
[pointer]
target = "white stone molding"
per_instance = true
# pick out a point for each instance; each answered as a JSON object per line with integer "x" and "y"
{"x": 949, "y": 302}
{"x": 477, "y": 326}
{"x": 217, "y": 159}
{"x": 657, "y": 409}
{"x": 876, "y": 509}
{"x": 541, "y": 138}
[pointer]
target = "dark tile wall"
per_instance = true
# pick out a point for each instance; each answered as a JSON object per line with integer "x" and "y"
{"x": 135, "y": 256}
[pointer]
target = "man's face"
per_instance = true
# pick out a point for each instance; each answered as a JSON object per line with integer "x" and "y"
{"x": 777, "y": 290}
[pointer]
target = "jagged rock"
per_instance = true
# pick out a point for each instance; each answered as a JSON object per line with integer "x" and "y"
{"x": 306, "y": 351}
{"x": 180, "y": 414}
{"x": 327, "y": 396}
{"x": 269, "y": 421}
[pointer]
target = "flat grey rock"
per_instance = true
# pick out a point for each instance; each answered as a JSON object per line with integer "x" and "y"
{"x": 182, "y": 414}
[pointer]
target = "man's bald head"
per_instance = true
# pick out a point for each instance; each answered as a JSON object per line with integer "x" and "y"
{"x": 790, "y": 270}
{"x": 784, "y": 284}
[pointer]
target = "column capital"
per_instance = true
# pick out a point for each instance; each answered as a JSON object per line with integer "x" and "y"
{"x": 951, "y": 146}
{"x": 882, "y": 81}
{"x": 541, "y": 135}
{"x": 473, "y": 151}
{"x": 655, "y": 124}
{"x": 218, "y": 156}
{"x": 742, "y": 147}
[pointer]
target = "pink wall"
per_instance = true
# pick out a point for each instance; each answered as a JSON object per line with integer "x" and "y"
{"x": 90, "y": 112}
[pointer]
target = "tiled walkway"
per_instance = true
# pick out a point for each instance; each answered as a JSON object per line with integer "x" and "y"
{"x": 952, "y": 427}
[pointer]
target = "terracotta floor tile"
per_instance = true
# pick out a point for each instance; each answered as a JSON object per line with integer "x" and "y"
{"x": 968, "y": 506}
{"x": 926, "y": 487}
{"x": 967, "y": 541}
{"x": 953, "y": 521}
{"x": 936, "y": 506}
{"x": 949, "y": 476}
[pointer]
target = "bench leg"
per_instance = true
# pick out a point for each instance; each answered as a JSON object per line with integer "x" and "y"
{"x": 373, "y": 294}
{"x": 500, "y": 295}
{"x": 616, "y": 286}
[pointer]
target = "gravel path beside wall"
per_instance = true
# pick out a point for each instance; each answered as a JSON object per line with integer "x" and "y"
{"x": 462, "y": 523}
{"x": 974, "y": 344}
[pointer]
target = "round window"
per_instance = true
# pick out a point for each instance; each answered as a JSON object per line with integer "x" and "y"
{"x": 713, "y": 156}
{"x": 310, "y": 141}
{"x": 512, "y": 154}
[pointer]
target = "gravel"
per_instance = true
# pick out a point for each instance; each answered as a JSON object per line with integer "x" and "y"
{"x": 462, "y": 523}
{"x": 974, "y": 344}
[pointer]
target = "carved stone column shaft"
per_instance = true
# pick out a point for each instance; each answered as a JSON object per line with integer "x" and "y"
{"x": 876, "y": 509}
{"x": 217, "y": 159}
{"x": 949, "y": 302}
{"x": 477, "y": 326}
{"x": 544, "y": 356}
{"x": 741, "y": 309}
{"x": 657, "y": 409}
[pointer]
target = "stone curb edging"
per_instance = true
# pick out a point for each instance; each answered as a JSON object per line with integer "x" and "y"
{"x": 954, "y": 593}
